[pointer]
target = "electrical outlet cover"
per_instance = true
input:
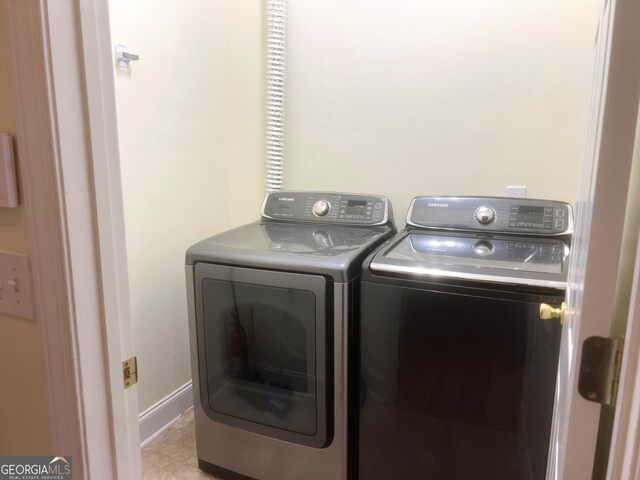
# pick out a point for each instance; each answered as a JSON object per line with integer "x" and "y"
{"x": 517, "y": 191}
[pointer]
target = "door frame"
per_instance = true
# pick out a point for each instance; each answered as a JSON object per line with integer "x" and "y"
{"x": 64, "y": 100}
{"x": 61, "y": 62}
{"x": 597, "y": 239}
{"x": 624, "y": 458}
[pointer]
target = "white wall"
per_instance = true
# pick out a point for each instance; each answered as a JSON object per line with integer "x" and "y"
{"x": 190, "y": 122}
{"x": 24, "y": 420}
{"x": 425, "y": 97}
{"x": 414, "y": 97}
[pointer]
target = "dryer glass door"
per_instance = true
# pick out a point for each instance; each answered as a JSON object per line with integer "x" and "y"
{"x": 262, "y": 351}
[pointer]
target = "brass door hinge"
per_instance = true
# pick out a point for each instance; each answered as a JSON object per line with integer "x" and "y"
{"x": 600, "y": 369}
{"x": 130, "y": 371}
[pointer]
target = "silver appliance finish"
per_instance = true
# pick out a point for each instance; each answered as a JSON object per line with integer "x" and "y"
{"x": 287, "y": 249}
{"x": 261, "y": 457}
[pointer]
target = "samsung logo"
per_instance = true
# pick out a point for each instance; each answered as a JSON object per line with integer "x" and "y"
{"x": 439, "y": 205}
{"x": 286, "y": 199}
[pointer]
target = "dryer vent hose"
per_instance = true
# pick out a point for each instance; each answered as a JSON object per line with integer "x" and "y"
{"x": 276, "y": 66}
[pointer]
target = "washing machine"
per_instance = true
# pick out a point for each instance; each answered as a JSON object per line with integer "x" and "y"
{"x": 456, "y": 370}
{"x": 271, "y": 306}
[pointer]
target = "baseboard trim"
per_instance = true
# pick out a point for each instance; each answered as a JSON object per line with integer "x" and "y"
{"x": 155, "y": 419}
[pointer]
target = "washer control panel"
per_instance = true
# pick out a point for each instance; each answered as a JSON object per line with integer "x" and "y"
{"x": 326, "y": 207}
{"x": 493, "y": 214}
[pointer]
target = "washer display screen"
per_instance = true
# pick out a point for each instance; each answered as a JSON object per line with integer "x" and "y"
{"x": 356, "y": 207}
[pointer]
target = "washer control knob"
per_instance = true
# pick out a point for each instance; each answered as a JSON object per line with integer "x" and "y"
{"x": 485, "y": 215}
{"x": 321, "y": 208}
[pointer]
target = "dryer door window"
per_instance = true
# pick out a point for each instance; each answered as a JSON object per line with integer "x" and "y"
{"x": 262, "y": 351}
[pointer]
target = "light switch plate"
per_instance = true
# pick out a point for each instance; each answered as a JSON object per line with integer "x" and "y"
{"x": 8, "y": 185}
{"x": 16, "y": 297}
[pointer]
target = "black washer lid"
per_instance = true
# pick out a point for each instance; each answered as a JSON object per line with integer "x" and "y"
{"x": 533, "y": 261}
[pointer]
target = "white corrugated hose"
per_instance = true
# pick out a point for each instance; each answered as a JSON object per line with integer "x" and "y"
{"x": 276, "y": 65}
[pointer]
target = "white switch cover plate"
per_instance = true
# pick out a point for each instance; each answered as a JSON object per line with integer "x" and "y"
{"x": 8, "y": 185}
{"x": 15, "y": 285}
{"x": 517, "y": 191}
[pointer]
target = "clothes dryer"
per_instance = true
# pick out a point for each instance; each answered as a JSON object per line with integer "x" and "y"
{"x": 270, "y": 308}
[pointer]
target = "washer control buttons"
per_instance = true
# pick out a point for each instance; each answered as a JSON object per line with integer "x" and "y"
{"x": 321, "y": 208}
{"x": 559, "y": 223}
{"x": 485, "y": 215}
{"x": 559, "y": 212}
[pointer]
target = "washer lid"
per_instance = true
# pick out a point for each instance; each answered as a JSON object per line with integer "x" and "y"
{"x": 479, "y": 257}
{"x": 337, "y": 251}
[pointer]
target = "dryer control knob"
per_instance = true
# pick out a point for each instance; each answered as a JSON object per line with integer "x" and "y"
{"x": 321, "y": 208}
{"x": 485, "y": 215}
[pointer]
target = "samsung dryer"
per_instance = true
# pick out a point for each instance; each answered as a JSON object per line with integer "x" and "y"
{"x": 457, "y": 368}
{"x": 270, "y": 308}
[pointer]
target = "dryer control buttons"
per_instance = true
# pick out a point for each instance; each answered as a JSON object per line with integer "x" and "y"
{"x": 321, "y": 208}
{"x": 485, "y": 215}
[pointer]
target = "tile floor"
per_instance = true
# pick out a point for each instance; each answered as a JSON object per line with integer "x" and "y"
{"x": 172, "y": 455}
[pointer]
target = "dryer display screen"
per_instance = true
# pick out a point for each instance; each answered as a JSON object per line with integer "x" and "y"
{"x": 533, "y": 215}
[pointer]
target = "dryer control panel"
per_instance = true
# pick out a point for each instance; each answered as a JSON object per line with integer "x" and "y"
{"x": 327, "y": 207}
{"x": 492, "y": 214}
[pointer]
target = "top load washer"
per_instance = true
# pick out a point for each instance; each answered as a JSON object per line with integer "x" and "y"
{"x": 270, "y": 308}
{"x": 457, "y": 369}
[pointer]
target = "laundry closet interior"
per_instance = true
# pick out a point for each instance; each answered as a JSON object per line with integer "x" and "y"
{"x": 398, "y": 100}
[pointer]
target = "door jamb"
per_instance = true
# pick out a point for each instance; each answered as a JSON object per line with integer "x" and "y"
{"x": 67, "y": 143}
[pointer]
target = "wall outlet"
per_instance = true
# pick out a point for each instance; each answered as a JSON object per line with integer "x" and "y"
{"x": 517, "y": 191}
{"x": 15, "y": 285}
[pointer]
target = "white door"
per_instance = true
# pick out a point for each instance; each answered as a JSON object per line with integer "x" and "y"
{"x": 599, "y": 225}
